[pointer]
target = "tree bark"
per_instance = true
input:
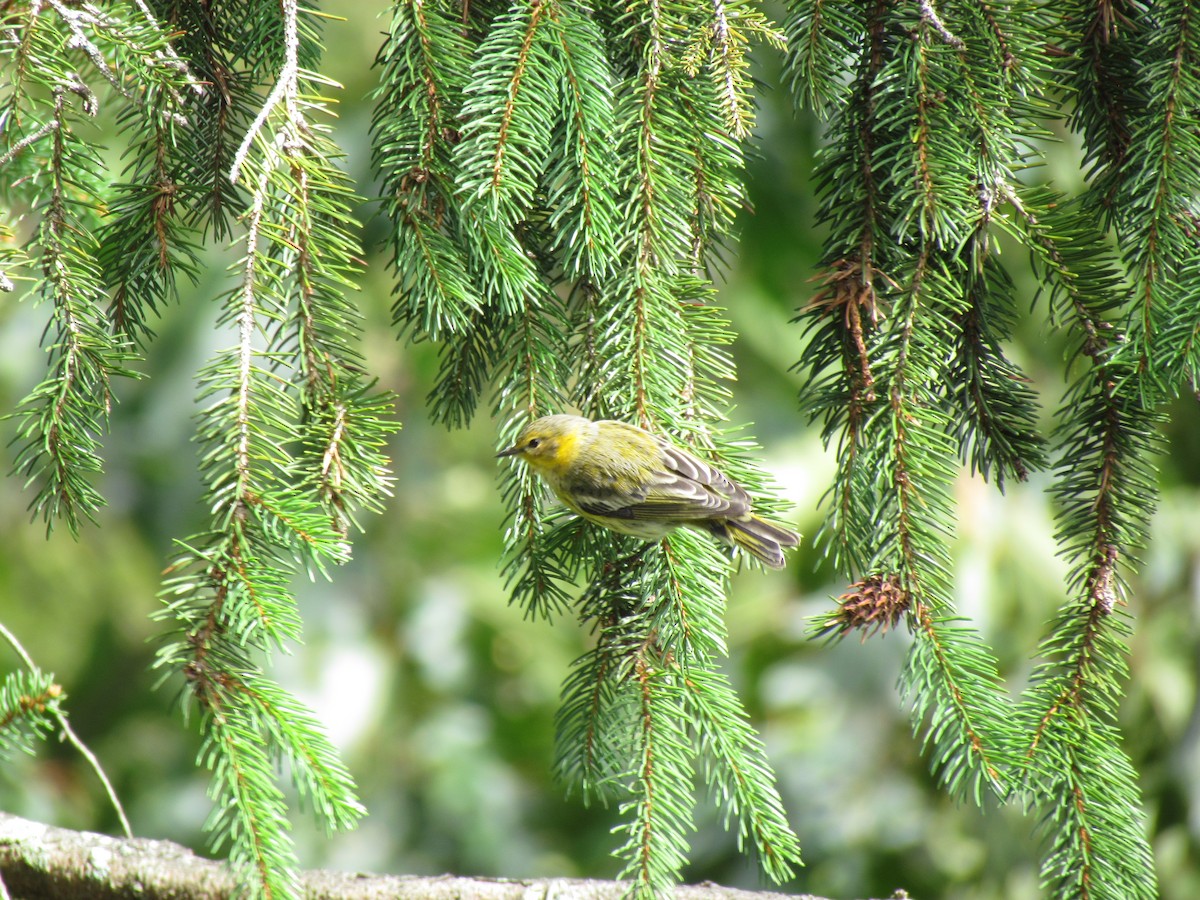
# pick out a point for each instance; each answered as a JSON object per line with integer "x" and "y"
{"x": 41, "y": 862}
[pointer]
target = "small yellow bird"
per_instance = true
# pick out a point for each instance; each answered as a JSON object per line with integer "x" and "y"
{"x": 640, "y": 484}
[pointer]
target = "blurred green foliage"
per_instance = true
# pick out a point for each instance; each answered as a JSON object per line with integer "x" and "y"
{"x": 442, "y": 696}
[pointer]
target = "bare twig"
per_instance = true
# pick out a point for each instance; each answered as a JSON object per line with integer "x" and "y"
{"x": 929, "y": 14}
{"x": 25, "y": 142}
{"x": 285, "y": 90}
{"x": 70, "y": 735}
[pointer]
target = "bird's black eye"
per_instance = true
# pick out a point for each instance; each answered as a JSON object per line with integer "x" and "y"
{"x": 532, "y": 445}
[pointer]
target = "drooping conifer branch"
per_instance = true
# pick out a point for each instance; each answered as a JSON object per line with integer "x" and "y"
{"x": 1105, "y": 439}
{"x": 596, "y": 178}
{"x": 293, "y": 438}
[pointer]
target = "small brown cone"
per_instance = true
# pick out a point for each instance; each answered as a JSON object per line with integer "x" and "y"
{"x": 874, "y": 604}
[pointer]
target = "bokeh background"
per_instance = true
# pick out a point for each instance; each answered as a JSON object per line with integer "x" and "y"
{"x": 442, "y": 696}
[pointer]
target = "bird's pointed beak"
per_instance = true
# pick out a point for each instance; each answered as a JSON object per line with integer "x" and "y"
{"x": 511, "y": 451}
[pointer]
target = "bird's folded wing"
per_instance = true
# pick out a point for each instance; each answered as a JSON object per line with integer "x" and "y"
{"x": 687, "y": 490}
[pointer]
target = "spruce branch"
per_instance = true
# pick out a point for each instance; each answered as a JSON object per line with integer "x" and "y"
{"x": 1094, "y": 825}
{"x": 912, "y": 300}
{"x": 659, "y": 815}
{"x": 582, "y": 176}
{"x": 954, "y": 686}
{"x": 1075, "y": 770}
{"x": 1154, "y": 199}
{"x": 592, "y": 186}
{"x": 822, "y": 38}
{"x": 996, "y": 408}
{"x": 145, "y": 243}
{"x": 28, "y": 705}
{"x": 423, "y": 67}
{"x": 929, "y": 16}
{"x": 285, "y": 93}
{"x": 249, "y": 813}
{"x": 508, "y": 129}
{"x": 836, "y": 356}
{"x": 725, "y": 41}
{"x": 293, "y": 437}
{"x": 738, "y": 773}
{"x": 598, "y": 715}
{"x": 227, "y": 59}
{"x": 1103, "y": 74}
{"x": 61, "y": 420}
{"x": 77, "y": 22}
{"x": 950, "y": 674}
{"x": 716, "y": 189}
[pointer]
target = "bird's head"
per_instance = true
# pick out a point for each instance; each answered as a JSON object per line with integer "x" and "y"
{"x": 549, "y": 444}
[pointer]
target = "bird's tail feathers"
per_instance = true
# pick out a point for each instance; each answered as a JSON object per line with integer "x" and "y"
{"x": 761, "y": 539}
